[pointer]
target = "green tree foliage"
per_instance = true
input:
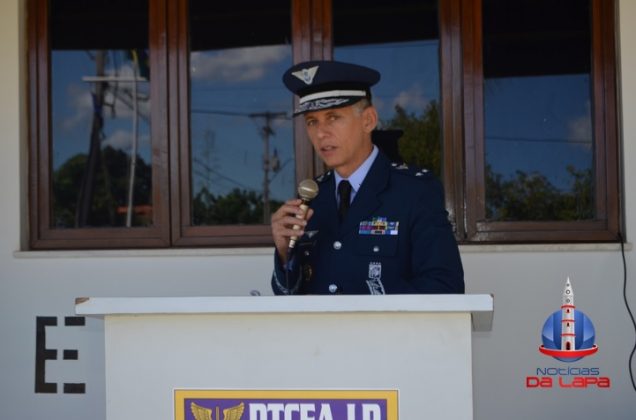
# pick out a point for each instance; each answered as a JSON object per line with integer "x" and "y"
{"x": 239, "y": 207}
{"x": 532, "y": 197}
{"x": 522, "y": 197}
{"x": 420, "y": 145}
{"x": 66, "y": 185}
{"x": 111, "y": 190}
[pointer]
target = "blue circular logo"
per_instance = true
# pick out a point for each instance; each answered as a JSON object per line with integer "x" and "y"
{"x": 583, "y": 340}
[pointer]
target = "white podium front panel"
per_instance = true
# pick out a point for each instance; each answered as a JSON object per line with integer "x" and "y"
{"x": 425, "y": 355}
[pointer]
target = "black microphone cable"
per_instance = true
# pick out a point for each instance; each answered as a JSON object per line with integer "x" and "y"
{"x": 629, "y": 311}
{"x": 287, "y": 268}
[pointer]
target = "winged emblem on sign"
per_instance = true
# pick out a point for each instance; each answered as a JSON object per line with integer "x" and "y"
{"x": 234, "y": 413}
{"x": 200, "y": 413}
{"x": 203, "y": 413}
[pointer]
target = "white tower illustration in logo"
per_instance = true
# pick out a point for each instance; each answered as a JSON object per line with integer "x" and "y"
{"x": 567, "y": 318}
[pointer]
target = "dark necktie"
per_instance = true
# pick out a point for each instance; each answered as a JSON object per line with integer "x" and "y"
{"x": 344, "y": 193}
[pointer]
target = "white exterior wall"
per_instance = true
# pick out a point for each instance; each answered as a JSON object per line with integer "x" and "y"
{"x": 527, "y": 282}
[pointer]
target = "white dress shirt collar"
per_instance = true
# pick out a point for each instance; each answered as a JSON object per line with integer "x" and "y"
{"x": 357, "y": 177}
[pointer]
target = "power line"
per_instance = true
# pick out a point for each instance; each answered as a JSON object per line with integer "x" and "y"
{"x": 271, "y": 115}
{"x": 536, "y": 140}
{"x": 220, "y": 175}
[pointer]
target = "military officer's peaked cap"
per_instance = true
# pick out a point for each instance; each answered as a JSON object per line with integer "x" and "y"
{"x": 329, "y": 84}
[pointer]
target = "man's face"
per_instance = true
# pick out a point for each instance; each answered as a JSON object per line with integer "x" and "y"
{"x": 342, "y": 136}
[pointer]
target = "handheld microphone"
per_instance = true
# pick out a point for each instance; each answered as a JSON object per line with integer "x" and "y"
{"x": 307, "y": 191}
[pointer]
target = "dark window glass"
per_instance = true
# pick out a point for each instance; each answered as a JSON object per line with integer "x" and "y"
{"x": 100, "y": 101}
{"x": 539, "y": 151}
{"x": 400, "y": 39}
{"x": 530, "y": 129}
{"x": 241, "y": 141}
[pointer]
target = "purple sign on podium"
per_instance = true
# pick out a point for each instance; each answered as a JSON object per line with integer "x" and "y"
{"x": 286, "y": 404}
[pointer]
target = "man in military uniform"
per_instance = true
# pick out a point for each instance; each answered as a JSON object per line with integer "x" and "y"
{"x": 375, "y": 227}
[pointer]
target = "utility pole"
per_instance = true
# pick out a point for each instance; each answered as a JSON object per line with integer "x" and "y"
{"x": 135, "y": 140}
{"x": 266, "y": 132}
{"x": 101, "y": 83}
{"x": 85, "y": 196}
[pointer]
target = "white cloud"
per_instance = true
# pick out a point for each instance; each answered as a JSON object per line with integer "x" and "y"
{"x": 123, "y": 103}
{"x": 120, "y": 96}
{"x": 580, "y": 129}
{"x": 122, "y": 139}
{"x": 412, "y": 99}
{"x": 237, "y": 64}
{"x": 124, "y": 71}
{"x": 81, "y": 102}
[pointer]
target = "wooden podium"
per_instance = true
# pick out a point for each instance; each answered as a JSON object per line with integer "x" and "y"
{"x": 418, "y": 346}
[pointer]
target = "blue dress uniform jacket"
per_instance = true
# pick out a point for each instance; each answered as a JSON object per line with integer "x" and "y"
{"x": 395, "y": 239}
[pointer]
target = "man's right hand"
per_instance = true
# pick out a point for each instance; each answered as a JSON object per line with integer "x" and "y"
{"x": 283, "y": 222}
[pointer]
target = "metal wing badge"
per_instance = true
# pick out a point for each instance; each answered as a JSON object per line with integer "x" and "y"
{"x": 234, "y": 413}
{"x": 200, "y": 413}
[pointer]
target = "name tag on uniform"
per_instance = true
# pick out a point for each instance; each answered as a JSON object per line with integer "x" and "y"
{"x": 378, "y": 226}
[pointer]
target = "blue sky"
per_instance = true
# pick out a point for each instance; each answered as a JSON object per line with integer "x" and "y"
{"x": 538, "y": 124}
{"x": 239, "y": 81}
{"x": 72, "y": 106}
{"x": 532, "y": 123}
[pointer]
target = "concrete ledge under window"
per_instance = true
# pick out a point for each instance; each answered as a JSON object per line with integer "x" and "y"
{"x": 212, "y": 252}
{"x": 582, "y": 247}
{"x": 127, "y": 253}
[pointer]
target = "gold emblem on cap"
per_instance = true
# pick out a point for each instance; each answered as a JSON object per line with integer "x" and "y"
{"x": 306, "y": 75}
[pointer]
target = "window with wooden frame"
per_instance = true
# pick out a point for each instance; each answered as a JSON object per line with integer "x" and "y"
{"x": 540, "y": 139}
{"x": 158, "y": 123}
{"x": 98, "y": 125}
